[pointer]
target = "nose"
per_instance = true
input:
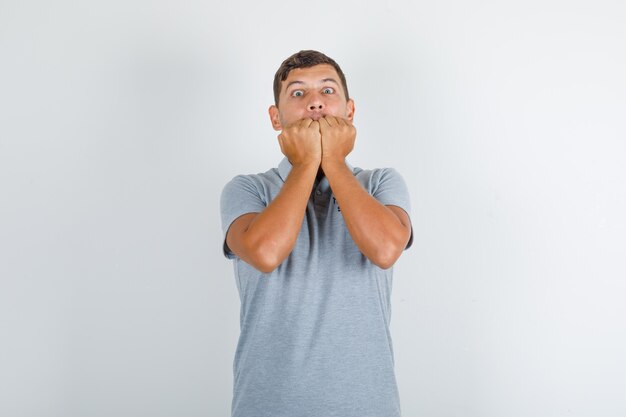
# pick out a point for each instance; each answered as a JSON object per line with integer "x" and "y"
{"x": 316, "y": 103}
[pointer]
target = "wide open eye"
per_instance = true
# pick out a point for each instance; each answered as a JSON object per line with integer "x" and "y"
{"x": 328, "y": 90}
{"x": 297, "y": 93}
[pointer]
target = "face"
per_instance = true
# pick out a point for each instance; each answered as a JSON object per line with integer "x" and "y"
{"x": 312, "y": 92}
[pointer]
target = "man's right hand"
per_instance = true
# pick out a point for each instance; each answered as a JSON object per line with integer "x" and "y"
{"x": 301, "y": 142}
{"x": 265, "y": 239}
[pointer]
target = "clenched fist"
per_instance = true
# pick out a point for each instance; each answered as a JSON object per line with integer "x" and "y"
{"x": 301, "y": 142}
{"x": 338, "y": 136}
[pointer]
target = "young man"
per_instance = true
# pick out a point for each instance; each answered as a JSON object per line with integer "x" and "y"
{"x": 313, "y": 242}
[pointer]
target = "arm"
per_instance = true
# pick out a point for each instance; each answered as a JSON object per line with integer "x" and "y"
{"x": 265, "y": 239}
{"x": 380, "y": 232}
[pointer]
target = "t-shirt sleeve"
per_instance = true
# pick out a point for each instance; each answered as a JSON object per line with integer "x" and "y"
{"x": 389, "y": 188}
{"x": 240, "y": 196}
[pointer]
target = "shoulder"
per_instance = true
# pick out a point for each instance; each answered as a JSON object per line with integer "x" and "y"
{"x": 386, "y": 185}
{"x": 250, "y": 182}
{"x": 375, "y": 173}
{"x": 247, "y": 193}
{"x": 373, "y": 178}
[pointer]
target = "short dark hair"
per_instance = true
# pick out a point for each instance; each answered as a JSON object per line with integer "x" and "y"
{"x": 305, "y": 59}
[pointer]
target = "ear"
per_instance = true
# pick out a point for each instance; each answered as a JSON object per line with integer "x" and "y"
{"x": 350, "y": 107}
{"x": 275, "y": 118}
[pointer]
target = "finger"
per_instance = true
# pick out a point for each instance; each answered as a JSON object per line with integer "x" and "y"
{"x": 331, "y": 120}
{"x": 324, "y": 122}
{"x": 306, "y": 122}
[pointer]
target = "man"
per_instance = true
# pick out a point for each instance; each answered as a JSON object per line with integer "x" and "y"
{"x": 313, "y": 242}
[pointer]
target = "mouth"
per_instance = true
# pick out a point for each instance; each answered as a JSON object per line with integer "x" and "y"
{"x": 317, "y": 116}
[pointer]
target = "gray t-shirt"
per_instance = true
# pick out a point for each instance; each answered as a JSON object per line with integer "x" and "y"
{"x": 315, "y": 338}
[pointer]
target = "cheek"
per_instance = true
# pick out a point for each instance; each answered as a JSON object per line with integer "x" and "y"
{"x": 295, "y": 113}
{"x": 289, "y": 117}
{"x": 339, "y": 109}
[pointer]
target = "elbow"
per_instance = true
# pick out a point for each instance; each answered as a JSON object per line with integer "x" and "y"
{"x": 264, "y": 266}
{"x": 265, "y": 259}
{"x": 389, "y": 252}
{"x": 385, "y": 256}
{"x": 385, "y": 261}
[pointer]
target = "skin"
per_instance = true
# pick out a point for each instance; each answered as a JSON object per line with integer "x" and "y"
{"x": 316, "y": 134}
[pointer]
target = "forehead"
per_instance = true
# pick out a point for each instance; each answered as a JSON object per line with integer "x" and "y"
{"x": 312, "y": 74}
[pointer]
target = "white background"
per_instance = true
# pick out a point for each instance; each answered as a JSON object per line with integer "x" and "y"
{"x": 120, "y": 122}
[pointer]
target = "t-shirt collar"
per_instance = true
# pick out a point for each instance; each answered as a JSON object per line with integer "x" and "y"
{"x": 284, "y": 168}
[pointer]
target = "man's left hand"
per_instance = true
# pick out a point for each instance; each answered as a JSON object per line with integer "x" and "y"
{"x": 338, "y": 136}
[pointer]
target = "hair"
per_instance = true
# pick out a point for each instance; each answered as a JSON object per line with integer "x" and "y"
{"x": 305, "y": 59}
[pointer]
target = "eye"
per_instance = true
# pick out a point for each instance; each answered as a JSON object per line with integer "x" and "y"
{"x": 297, "y": 93}
{"x": 328, "y": 90}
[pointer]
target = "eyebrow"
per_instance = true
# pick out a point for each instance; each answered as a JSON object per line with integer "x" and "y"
{"x": 325, "y": 80}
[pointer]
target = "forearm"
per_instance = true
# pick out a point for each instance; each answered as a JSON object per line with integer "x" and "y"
{"x": 376, "y": 230}
{"x": 273, "y": 233}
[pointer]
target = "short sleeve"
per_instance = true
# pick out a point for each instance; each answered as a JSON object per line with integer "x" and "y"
{"x": 389, "y": 188}
{"x": 239, "y": 196}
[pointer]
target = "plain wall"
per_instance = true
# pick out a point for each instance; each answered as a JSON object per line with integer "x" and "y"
{"x": 121, "y": 121}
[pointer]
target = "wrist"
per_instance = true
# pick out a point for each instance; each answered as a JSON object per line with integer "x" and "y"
{"x": 308, "y": 164}
{"x": 329, "y": 164}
